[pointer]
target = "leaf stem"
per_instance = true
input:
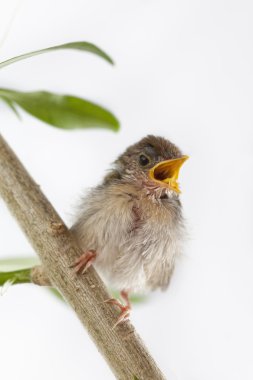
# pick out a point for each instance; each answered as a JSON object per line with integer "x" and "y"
{"x": 21, "y": 276}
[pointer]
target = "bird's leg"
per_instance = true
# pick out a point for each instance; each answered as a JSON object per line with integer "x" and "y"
{"x": 84, "y": 261}
{"x": 125, "y": 309}
{"x": 124, "y": 295}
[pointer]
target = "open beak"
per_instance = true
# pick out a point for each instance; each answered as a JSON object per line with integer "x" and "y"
{"x": 166, "y": 172}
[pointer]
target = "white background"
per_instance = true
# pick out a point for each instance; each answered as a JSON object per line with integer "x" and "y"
{"x": 184, "y": 71}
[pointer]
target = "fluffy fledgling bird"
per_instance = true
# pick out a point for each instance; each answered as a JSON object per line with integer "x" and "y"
{"x": 130, "y": 227}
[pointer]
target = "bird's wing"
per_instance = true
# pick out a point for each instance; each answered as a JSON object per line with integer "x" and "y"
{"x": 105, "y": 215}
{"x": 161, "y": 276}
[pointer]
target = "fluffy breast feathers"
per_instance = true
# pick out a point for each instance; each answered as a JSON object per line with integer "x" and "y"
{"x": 137, "y": 239}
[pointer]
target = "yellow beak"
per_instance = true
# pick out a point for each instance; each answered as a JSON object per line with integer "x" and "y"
{"x": 166, "y": 172}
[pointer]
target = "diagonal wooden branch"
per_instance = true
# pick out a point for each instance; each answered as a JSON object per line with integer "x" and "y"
{"x": 57, "y": 249}
{"x": 38, "y": 276}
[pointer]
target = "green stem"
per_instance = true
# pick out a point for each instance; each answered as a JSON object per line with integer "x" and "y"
{"x": 21, "y": 276}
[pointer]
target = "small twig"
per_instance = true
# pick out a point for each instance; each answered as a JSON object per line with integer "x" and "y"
{"x": 57, "y": 249}
{"x": 38, "y": 276}
{"x": 35, "y": 275}
{"x": 16, "y": 277}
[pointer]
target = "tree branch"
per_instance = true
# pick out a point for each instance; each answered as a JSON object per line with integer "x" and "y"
{"x": 38, "y": 276}
{"x": 57, "y": 249}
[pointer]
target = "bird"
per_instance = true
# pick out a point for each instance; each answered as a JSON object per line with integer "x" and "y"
{"x": 130, "y": 227}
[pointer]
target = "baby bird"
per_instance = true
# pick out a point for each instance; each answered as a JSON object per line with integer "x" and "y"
{"x": 130, "y": 227}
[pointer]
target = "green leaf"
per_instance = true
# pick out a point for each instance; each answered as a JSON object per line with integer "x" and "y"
{"x": 62, "y": 111}
{"x": 56, "y": 293}
{"x": 16, "y": 270}
{"x": 79, "y": 45}
{"x": 18, "y": 263}
{"x": 134, "y": 298}
{"x": 12, "y": 107}
{"x": 5, "y": 286}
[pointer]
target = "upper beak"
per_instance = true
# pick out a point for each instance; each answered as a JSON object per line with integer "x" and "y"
{"x": 167, "y": 172}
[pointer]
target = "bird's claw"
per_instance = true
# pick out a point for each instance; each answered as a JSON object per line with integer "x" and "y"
{"x": 125, "y": 311}
{"x": 84, "y": 261}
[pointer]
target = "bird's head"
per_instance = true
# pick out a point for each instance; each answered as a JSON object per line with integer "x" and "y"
{"x": 153, "y": 163}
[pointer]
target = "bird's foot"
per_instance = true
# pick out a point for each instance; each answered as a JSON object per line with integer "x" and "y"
{"x": 84, "y": 261}
{"x": 125, "y": 309}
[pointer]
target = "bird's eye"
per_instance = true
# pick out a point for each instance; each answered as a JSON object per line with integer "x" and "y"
{"x": 144, "y": 160}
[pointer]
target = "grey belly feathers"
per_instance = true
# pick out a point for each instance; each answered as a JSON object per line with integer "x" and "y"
{"x": 136, "y": 237}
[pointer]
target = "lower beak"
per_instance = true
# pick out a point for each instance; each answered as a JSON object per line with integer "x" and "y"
{"x": 167, "y": 172}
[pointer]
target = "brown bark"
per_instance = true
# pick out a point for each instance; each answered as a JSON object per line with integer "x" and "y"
{"x": 57, "y": 249}
{"x": 38, "y": 276}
